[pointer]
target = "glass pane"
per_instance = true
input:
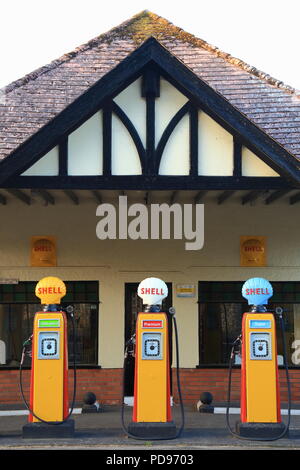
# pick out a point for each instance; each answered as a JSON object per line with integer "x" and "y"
{"x": 86, "y": 331}
{"x": 16, "y": 321}
{"x": 219, "y": 325}
{"x": 291, "y": 318}
{"x": 17, "y": 314}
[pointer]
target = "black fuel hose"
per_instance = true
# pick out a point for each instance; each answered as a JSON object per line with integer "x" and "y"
{"x": 54, "y": 423}
{"x": 286, "y": 428}
{"x": 178, "y": 434}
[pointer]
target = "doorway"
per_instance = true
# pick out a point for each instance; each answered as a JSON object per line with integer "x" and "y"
{"x": 134, "y": 305}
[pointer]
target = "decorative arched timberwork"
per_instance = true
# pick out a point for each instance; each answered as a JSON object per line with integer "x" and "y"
{"x": 146, "y": 68}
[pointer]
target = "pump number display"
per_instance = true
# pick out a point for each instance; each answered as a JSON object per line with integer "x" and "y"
{"x": 152, "y": 346}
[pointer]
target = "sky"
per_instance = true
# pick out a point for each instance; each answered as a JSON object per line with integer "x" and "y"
{"x": 263, "y": 33}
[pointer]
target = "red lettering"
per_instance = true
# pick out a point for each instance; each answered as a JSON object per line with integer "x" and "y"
{"x": 257, "y": 291}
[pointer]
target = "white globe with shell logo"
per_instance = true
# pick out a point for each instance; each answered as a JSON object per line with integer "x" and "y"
{"x": 152, "y": 290}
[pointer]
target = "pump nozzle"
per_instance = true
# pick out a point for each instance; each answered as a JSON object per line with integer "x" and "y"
{"x": 172, "y": 311}
{"x": 279, "y": 311}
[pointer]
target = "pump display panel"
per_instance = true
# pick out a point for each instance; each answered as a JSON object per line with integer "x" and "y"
{"x": 48, "y": 345}
{"x": 260, "y": 346}
{"x": 152, "y": 346}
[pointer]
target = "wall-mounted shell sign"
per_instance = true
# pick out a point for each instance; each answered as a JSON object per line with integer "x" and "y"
{"x": 252, "y": 251}
{"x": 50, "y": 290}
{"x": 43, "y": 251}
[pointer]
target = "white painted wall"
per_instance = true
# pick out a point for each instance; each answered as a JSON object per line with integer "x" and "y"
{"x": 176, "y": 156}
{"x": 81, "y": 256}
{"x": 134, "y": 105}
{"x": 215, "y": 147}
{"x": 254, "y": 166}
{"x": 46, "y": 166}
{"x": 125, "y": 159}
{"x": 166, "y": 106}
{"x": 85, "y": 155}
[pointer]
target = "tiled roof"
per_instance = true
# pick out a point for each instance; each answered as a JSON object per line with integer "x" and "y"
{"x": 31, "y": 102}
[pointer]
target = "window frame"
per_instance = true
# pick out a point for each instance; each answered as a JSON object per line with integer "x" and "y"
{"x": 242, "y": 301}
{"x": 26, "y": 303}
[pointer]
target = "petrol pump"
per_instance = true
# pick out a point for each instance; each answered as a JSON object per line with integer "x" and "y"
{"x": 152, "y": 417}
{"x": 49, "y": 404}
{"x": 260, "y": 417}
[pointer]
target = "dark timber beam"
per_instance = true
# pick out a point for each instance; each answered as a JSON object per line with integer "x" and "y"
{"x": 3, "y": 199}
{"x": 97, "y": 195}
{"x": 174, "y": 197}
{"x": 149, "y": 183}
{"x": 294, "y": 199}
{"x": 251, "y": 196}
{"x": 71, "y": 195}
{"x": 148, "y": 198}
{"x": 45, "y": 195}
{"x": 20, "y": 195}
{"x": 275, "y": 196}
{"x": 200, "y": 195}
{"x": 224, "y": 196}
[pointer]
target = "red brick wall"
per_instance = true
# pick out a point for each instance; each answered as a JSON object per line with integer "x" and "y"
{"x": 107, "y": 385}
{"x": 215, "y": 381}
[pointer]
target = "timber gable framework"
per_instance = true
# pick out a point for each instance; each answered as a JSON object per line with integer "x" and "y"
{"x": 44, "y": 116}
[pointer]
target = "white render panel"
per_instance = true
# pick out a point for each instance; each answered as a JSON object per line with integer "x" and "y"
{"x": 166, "y": 106}
{"x": 45, "y": 166}
{"x": 125, "y": 159}
{"x": 176, "y": 156}
{"x": 254, "y": 166}
{"x": 85, "y": 152}
{"x": 215, "y": 148}
{"x": 134, "y": 106}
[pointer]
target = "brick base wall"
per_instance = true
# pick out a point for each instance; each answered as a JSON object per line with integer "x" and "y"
{"x": 107, "y": 385}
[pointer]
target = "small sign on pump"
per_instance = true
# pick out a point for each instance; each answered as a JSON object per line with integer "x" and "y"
{"x": 152, "y": 290}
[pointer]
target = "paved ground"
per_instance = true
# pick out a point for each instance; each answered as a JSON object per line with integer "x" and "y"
{"x": 103, "y": 431}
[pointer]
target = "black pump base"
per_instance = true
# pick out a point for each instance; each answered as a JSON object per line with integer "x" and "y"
{"x": 260, "y": 430}
{"x": 45, "y": 431}
{"x": 153, "y": 431}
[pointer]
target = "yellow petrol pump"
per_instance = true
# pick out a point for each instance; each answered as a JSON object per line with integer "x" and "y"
{"x": 49, "y": 404}
{"x": 260, "y": 417}
{"x": 152, "y": 416}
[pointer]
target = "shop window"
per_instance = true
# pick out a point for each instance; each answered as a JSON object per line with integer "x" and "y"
{"x": 221, "y": 307}
{"x": 18, "y": 305}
